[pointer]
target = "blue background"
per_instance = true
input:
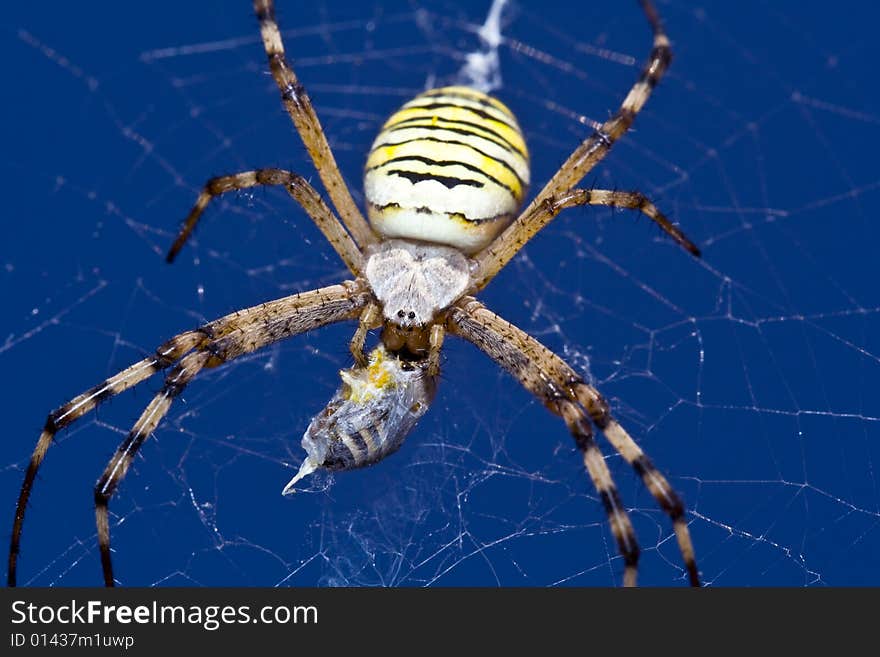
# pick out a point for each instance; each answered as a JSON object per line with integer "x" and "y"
{"x": 751, "y": 377}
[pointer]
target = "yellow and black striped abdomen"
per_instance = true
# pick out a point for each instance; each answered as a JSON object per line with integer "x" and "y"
{"x": 449, "y": 167}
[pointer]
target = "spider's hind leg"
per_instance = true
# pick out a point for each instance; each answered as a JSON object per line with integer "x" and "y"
{"x": 299, "y": 106}
{"x": 298, "y": 188}
{"x": 561, "y": 187}
{"x": 640, "y": 202}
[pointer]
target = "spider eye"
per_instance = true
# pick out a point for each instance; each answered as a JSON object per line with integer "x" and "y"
{"x": 411, "y": 315}
{"x": 401, "y": 314}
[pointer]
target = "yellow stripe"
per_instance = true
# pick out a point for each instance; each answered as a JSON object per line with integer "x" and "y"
{"x": 467, "y": 142}
{"x": 449, "y": 153}
{"x": 426, "y": 102}
{"x": 469, "y": 93}
{"x": 457, "y": 114}
{"x": 478, "y": 143}
{"x": 445, "y": 130}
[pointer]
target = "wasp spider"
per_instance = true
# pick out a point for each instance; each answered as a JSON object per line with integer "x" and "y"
{"x": 444, "y": 183}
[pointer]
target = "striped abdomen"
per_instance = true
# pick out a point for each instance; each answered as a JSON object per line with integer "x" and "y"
{"x": 449, "y": 167}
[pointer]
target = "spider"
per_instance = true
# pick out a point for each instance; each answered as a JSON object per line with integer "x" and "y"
{"x": 444, "y": 182}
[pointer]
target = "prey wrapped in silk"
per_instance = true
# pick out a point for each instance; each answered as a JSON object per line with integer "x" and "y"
{"x": 369, "y": 416}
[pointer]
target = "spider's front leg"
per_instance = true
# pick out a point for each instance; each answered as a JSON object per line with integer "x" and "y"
{"x": 224, "y": 340}
{"x": 621, "y": 526}
{"x": 77, "y": 408}
{"x": 564, "y": 392}
{"x": 278, "y": 318}
{"x": 371, "y": 318}
{"x": 435, "y": 343}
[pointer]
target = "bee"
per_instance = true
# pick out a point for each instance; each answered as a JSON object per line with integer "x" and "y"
{"x": 369, "y": 416}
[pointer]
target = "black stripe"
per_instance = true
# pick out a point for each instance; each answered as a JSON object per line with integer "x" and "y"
{"x": 444, "y": 163}
{"x": 626, "y": 541}
{"x": 109, "y": 481}
{"x": 432, "y": 125}
{"x": 472, "y": 110}
{"x": 642, "y": 464}
{"x": 475, "y": 99}
{"x": 501, "y": 144}
{"x": 384, "y": 446}
{"x": 293, "y": 93}
{"x": 265, "y": 13}
{"x": 98, "y": 394}
{"x": 582, "y": 433}
{"x": 476, "y": 221}
{"x": 663, "y": 54}
{"x": 610, "y": 501}
{"x": 173, "y": 386}
{"x": 51, "y": 425}
{"x": 358, "y": 440}
{"x": 208, "y": 330}
{"x": 447, "y": 181}
{"x": 599, "y": 411}
{"x": 669, "y": 502}
{"x": 339, "y": 456}
{"x": 373, "y": 431}
{"x": 108, "y": 391}
{"x": 457, "y": 143}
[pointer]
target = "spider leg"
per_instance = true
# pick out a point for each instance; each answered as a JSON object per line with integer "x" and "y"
{"x": 302, "y": 192}
{"x": 472, "y": 321}
{"x": 551, "y": 207}
{"x": 640, "y": 202}
{"x": 618, "y": 518}
{"x": 116, "y": 469}
{"x": 435, "y": 344}
{"x": 79, "y": 406}
{"x": 552, "y": 380}
{"x": 248, "y": 329}
{"x": 499, "y": 252}
{"x": 654, "y": 481}
{"x": 370, "y": 318}
{"x": 264, "y": 328}
{"x": 299, "y": 106}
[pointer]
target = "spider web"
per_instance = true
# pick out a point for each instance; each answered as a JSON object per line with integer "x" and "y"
{"x": 750, "y": 377}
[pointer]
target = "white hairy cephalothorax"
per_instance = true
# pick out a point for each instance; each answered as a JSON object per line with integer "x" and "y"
{"x": 413, "y": 282}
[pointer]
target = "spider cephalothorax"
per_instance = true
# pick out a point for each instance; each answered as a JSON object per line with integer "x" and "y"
{"x": 444, "y": 182}
{"x": 414, "y": 282}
